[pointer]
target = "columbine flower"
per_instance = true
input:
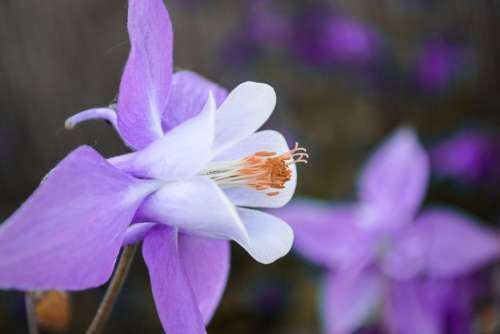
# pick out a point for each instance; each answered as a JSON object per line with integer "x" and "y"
{"x": 380, "y": 248}
{"x": 437, "y": 64}
{"x": 262, "y": 26}
{"x": 470, "y": 155}
{"x": 194, "y": 165}
{"x": 322, "y": 38}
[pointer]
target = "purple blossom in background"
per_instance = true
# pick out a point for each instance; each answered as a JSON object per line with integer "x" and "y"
{"x": 197, "y": 170}
{"x": 261, "y": 27}
{"x": 437, "y": 64}
{"x": 318, "y": 36}
{"x": 382, "y": 251}
{"x": 188, "y": 4}
{"x": 321, "y": 38}
{"x": 470, "y": 155}
{"x": 264, "y": 23}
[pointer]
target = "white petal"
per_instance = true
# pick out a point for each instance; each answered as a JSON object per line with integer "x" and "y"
{"x": 197, "y": 207}
{"x": 245, "y": 109}
{"x": 269, "y": 238}
{"x": 179, "y": 154}
{"x": 267, "y": 140}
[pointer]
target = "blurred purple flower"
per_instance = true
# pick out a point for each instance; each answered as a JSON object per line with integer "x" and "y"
{"x": 322, "y": 38}
{"x": 471, "y": 155}
{"x": 380, "y": 247}
{"x": 437, "y": 64}
{"x": 317, "y": 37}
{"x": 189, "y": 4}
{"x": 194, "y": 168}
{"x": 261, "y": 27}
{"x": 265, "y": 24}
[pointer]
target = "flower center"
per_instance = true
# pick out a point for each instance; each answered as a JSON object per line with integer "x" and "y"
{"x": 262, "y": 171}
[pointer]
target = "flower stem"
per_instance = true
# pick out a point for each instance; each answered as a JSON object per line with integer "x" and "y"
{"x": 114, "y": 288}
{"x": 29, "y": 300}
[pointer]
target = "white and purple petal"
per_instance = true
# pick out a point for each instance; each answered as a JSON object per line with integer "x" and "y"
{"x": 199, "y": 207}
{"x": 196, "y": 206}
{"x": 179, "y": 154}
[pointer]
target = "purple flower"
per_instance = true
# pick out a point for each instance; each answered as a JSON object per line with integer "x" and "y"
{"x": 381, "y": 249}
{"x": 322, "y": 38}
{"x": 261, "y": 26}
{"x": 197, "y": 171}
{"x": 437, "y": 65}
{"x": 471, "y": 155}
{"x": 264, "y": 23}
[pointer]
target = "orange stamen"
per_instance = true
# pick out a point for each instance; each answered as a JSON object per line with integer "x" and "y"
{"x": 266, "y": 170}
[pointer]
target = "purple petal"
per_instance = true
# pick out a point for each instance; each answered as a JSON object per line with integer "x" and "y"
{"x": 410, "y": 311}
{"x": 174, "y": 297}
{"x": 455, "y": 244}
{"x": 460, "y": 305}
{"x": 245, "y": 109}
{"x": 471, "y": 155}
{"x": 106, "y": 114}
{"x": 405, "y": 257}
{"x": 450, "y": 301}
{"x": 396, "y": 176}
{"x": 438, "y": 63}
{"x": 145, "y": 83}
{"x": 270, "y": 141}
{"x": 206, "y": 264}
{"x": 181, "y": 153}
{"x": 328, "y": 235}
{"x": 188, "y": 95}
{"x": 68, "y": 233}
{"x": 349, "y": 299}
{"x": 322, "y": 38}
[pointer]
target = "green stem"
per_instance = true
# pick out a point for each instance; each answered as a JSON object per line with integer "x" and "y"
{"x": 29, "y": 299}
{"x": 114, "y": 288}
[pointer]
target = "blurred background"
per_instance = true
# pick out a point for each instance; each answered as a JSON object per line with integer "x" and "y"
{"x": 347, "y": 72}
